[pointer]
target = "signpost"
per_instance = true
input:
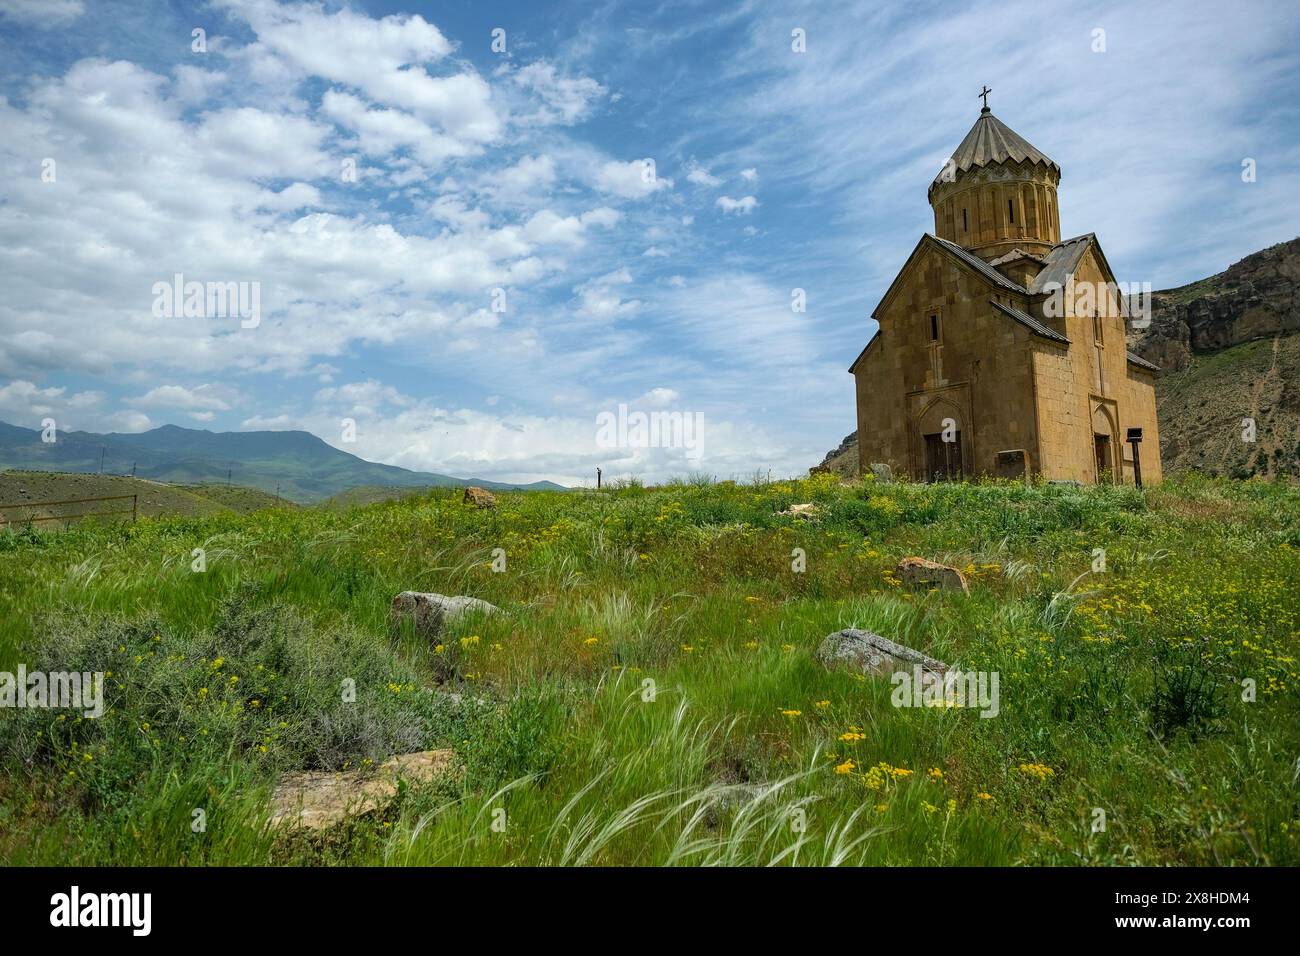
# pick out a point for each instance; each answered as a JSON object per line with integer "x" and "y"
{"x": 1135, "y": 439}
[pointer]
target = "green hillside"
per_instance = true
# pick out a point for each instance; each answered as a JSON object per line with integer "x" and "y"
{"x": 303, "y": 467}
{"x": 1201, "y": 409}
{"x": 30, "y": 489}
{"x": 649, "y": 692}
{"x": 374, "y": 494}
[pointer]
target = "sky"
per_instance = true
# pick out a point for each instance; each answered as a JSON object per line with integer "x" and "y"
{"x": 476, "y": 229}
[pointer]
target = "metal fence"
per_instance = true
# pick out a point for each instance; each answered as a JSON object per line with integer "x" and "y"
{"x": 6, "y": 519}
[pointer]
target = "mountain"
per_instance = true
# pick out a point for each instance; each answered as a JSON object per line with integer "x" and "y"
{"x": 1228, "y": 350}
{"x": 843, "y": 460}
{"x": 1256, "y": 298}
{"x": 304, "y": 468}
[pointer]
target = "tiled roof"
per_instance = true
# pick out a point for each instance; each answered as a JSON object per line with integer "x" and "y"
{"x": 1061, "y": 261}
{"x": 992, "y": 141}
{"x": 1029, "y": 322}
{"x": 1140, "y": 362}
{"x": 980, "y": 265}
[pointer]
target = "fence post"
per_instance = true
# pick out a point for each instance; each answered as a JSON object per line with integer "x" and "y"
{"x": 135, "y": 503}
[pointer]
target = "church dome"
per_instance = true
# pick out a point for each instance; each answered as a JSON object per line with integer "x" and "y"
{"x": 997, "y": 193}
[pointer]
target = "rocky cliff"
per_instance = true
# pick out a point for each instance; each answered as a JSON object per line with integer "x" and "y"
{"x": 1256, "y": 298}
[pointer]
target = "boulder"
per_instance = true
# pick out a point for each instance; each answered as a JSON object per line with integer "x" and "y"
{"x": 319, "y": 800}
{"x": 918, "y": 572}
{"x": 479, "y": 497}
{"x": 432, "y": 612}
{"x": 808, "y": 510}
{"x": 882, "y": 471}
{"x": 872, "y": 654}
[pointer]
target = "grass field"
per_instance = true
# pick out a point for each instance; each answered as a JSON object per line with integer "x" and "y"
{"x": 653, "y": 695}
{"x": 31, "y": 488}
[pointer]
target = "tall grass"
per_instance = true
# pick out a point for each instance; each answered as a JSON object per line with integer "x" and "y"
{"x": 649, "y": 694}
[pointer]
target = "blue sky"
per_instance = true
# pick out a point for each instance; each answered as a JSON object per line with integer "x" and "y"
{"x": 523, "y": 171}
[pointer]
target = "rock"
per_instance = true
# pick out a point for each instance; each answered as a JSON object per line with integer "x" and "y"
{"x": 806, "y": 510}
{"x": 432, "y": 612}
{"x": 882, "y": 471}
{"x": 842, "y": 461}
{"x": 872, "y": 654}
{"x": 1258, "y": 297}
{"x": 920, "y": 572}
{"x": 480, "y": 497}
{"x": 318, "y": 800}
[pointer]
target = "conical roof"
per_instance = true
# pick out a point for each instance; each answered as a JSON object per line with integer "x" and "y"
{"x": 992, "y": 141}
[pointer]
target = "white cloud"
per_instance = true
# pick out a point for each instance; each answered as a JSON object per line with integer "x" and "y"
{"x": 564, "y": 99}
{"x": 700, "y": 176}
{"x": 532, "y": 174}
{"x": 742, "y": 206}
{"x": 385, "y": 59}
{"x": 599, "y": 298}
{"x": 658, "y": 397}
{"x": 42, "y": 14}
{"x": 274, "y": 423}
{"x": 631, "y": 180}
{"x": 749, "y": 174}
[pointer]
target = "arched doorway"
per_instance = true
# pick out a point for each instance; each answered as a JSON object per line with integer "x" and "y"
{"x": 1104, "y": 446}
{"x": 942, "y": 452}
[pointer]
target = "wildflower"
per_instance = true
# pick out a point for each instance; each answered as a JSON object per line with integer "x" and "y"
{"x": 983, "y": 796}
{"x": 822, "y": 704}
{"x": 792, "y": 713}
{"x": 845, "y": 768}
{"x": 853, "y": 737}
{"x": 936, "y": 774}
{"x": 1038, "y": 770}
{"x": 591, "y": 641}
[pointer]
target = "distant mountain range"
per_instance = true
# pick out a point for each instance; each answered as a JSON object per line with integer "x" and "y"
{"x": 304, "y": 468}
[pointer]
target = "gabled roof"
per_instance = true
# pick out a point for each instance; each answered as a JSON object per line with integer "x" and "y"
{"x": 979, "y": 265}
{"x": 1140, "y": 362}
{"x": 1029, "y": 322}
{"x": 1061, "y": 261}
{"x": 874, "y": 335}
{"x": 970, "y": 260}
{"x": 992, "y": 141}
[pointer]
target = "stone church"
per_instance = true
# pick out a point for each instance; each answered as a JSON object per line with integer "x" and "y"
{"x": 990, "y": 358}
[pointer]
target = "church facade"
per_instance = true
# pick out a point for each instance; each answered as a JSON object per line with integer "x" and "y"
{"x": 1001, "y": 348}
